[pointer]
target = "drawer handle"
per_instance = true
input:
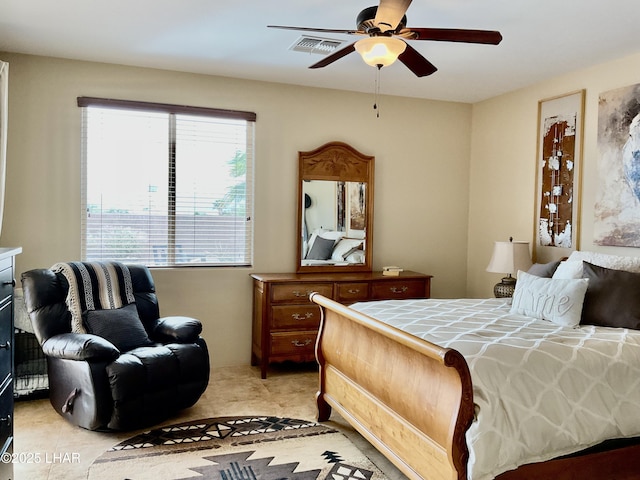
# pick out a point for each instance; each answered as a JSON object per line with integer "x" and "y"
{"x": 297, "y": 316}
{"x": 299, "y": 294}
{"x": 353, "y": 291}
{"x": 398, "y": 290}
{"x": 11, "y": 282}
{"x": 5, "y": 345}
{"x": 7, "y": 420}
{"x": 298, "y": 343}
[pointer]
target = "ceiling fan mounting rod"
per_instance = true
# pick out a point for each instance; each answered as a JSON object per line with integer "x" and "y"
{"x": 366, "y": 22}
{"x": 374, "y": 32}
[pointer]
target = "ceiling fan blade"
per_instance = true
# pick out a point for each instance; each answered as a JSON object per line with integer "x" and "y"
{"x": 490, "y": 37}
{"x": 415, "y": 62}
{"x": 312, "y": 29}
{"x": 389, "y": 14}
{"x": 337, "y": 55}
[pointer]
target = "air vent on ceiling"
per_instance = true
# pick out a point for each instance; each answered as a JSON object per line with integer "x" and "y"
{"x": 322, "y": 46}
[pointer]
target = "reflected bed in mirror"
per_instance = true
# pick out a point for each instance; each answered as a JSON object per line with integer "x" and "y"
{"x": 333, "y": 229}
{"x": 335, "y": 209}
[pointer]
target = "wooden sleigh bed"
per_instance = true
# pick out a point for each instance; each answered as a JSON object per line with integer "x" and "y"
{"x": 413, "y": 401}
{"x": 368, "y": 375}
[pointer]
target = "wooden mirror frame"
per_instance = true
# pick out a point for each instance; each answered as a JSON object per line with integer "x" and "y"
{"x": 336, "y": 161}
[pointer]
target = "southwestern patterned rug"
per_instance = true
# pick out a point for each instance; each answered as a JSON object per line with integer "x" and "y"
{"x": 237, "y": 448}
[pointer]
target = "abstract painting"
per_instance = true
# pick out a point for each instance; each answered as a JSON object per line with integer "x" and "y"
{"x": 356, "y": 209}
{"x": 617, "y": 205}
{"x": 558, "y": 173}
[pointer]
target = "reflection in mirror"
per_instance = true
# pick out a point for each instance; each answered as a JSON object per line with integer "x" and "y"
{"x": 333, "y": 224}
{"x": 335, "y": 210}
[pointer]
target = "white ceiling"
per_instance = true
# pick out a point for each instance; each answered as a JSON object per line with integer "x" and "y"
{"x": 542, "y": 39}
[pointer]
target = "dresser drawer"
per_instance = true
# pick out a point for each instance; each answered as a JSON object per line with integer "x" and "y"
{"x": 299, "y": 292}
{"x": 294, "y": 343}
{"x": 398, "y": 289}
{"x": 352, "y": 292}
{"x": 6, "y": 348}
{"x": 6, "y": 282}
{"x": 295, "y": 317}
{"x": 6, "y": 413}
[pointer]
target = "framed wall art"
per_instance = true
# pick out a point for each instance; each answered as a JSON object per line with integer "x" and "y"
{"x": 356, "y": 195}
{"x": 558, "y": 176}
{"x": 617, "y": 205}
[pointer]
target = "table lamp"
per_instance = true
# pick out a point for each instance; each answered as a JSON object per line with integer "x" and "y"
{"x": 508, "y": 257}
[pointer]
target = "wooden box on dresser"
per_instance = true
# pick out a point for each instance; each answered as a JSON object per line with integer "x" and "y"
{"x": 7, "y": 283}
{"x": 285, "y": 322}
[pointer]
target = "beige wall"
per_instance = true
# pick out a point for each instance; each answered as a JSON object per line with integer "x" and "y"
{"x": 451, "y": 178}
{"x": 503, "y": 156}
{"x": 422, "y": 151}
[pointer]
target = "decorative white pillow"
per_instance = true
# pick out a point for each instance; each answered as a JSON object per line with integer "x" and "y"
{"x": 572, "y": 267}
{"x": 344, "y": 248}
{"x": 617, "y": 262}
{"x": 355, "y": 257}
{"x": 331, "y": 234}
{"x": 568, "y": 270}
{"x": 556, "y": 300}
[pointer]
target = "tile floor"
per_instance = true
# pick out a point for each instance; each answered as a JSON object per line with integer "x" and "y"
{"x": 53, "y": 449}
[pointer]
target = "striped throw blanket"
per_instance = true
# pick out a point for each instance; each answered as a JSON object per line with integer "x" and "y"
{"x": 95, "y": 286}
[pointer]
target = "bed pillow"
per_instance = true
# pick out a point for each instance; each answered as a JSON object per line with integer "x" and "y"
{"x": 556, "y": 300}
{"x": 321, "y": 249}
{"x": 344, "y": 248}
{"x": 320, "y": 232}
{"x": 572, "y": 267}
{"x": 545, "y": 270}
{"x": 617, "y": 262}
{"x": 612, "y": 299}
{"x": 355, "y": 257}
{"x": 120, "y": 326}
{"x": 331, "y": 234}
{"x": 568, "y": 270}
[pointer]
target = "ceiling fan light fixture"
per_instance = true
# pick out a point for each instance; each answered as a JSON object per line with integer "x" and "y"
{"x": 380, "y": 51}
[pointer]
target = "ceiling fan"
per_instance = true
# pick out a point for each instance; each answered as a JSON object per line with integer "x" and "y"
{"x": 385, "y": 29}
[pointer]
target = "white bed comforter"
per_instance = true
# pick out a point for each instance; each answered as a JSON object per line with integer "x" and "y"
{"x": 540, "y": 390}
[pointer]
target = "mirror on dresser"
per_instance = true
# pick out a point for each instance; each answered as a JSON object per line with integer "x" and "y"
{"x": 335, "y": 210}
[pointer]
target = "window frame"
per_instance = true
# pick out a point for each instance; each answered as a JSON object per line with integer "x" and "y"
{"x": 173, "y": 110}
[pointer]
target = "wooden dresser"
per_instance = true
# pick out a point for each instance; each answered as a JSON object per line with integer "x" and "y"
{"x": 285, "y": 322}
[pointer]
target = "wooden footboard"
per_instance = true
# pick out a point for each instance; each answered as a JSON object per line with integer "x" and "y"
{"x": 413, "y": 401}
{"x": 410, "y": 398}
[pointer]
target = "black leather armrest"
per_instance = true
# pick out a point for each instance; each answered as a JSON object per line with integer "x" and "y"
{"x": 177, "y": 329}
{"x": 80, "y": 346}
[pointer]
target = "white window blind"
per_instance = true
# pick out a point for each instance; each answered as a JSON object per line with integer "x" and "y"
{"x": 166, "y": 185}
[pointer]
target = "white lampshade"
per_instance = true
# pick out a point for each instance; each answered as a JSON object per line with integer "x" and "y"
{"x": 509, "y": 257}
{"x": 380, "y": 51}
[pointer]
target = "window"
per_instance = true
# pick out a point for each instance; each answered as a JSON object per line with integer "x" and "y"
{"x": 165, "y": 185}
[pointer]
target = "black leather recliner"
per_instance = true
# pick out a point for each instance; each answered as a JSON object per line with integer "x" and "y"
{"x": 96, "y": 386}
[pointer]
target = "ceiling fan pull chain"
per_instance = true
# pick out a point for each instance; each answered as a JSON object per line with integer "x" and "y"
{"x": 377, "y": 92}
